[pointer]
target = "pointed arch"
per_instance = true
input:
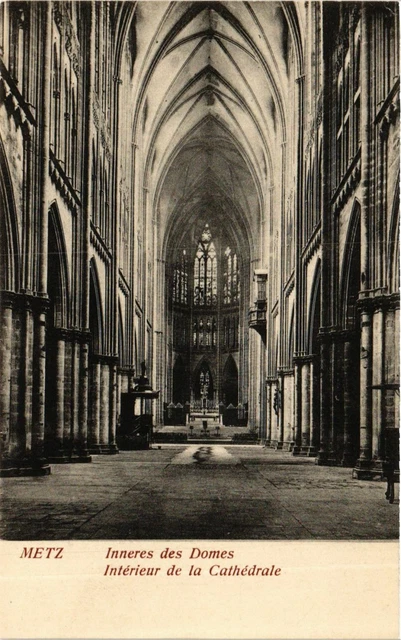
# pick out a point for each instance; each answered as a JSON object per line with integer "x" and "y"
{"x": 291, "y": 13}
{"x": 9, "y": 245}
{"x": 394, "y": 243}
{"x": 205, "y": 270}
{"x": 314, "y": 309}
{"x": 95, "y": 213}
{"x": 351, "y": 268}
{"x": 74, "y": 136}
{"x": 179, "y": 147}
{"x": 125, "y": 28}
{"x": 229, "y": 385}
{"x": 181, "y": 390}
{"x": 203, "y": 367}
{"x": 291, "y": 338}
{"x": 55, "y": 120}
{"x": 58, "y": 271}
{"x": 191, "y": 13}
{"x": 121, "y": 337}
{"x": 95, "y": 310}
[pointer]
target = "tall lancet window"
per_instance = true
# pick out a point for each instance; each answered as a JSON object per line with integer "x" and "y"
{"x": 180, "y": 280}
{"x": 231, "y": 278}
{"x": 205, "y": 271}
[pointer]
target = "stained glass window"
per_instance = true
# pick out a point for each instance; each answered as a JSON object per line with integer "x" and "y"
{"x": 205, "y": 271}
{"x": 180, "y": 280}
{"x": 231, "y": 278}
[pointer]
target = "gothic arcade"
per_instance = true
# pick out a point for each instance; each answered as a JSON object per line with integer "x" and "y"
{"x": 212, "y": 188}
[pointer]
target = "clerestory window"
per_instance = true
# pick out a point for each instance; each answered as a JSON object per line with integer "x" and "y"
{"x": 205, "y": 271}
{"x": 180, "y": 280}
{"x": 231, "y": 278}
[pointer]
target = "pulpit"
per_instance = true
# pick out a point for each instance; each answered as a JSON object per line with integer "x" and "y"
{"x": 136, "y": 425}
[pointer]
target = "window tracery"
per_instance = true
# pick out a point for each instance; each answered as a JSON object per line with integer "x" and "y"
{"x": 180, "y": 280}
{"x": 203, "y": 283}
{"x": 231, "y": 285}
{"x": 205, "y": 271}
{"x": 348, "y": 97}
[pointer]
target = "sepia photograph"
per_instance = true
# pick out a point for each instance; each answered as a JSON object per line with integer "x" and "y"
{"x": 199, "y": 319}
{"x": 199, "y": 270}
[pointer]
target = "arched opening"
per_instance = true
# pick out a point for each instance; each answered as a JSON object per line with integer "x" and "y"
{"x": 203, "y": 386}
{"x": 11, "y": 426}
{"x": 9, "y": 272}
{"x": 121, "y": 350}
{"x": 205, "y": 298}
{"x": 394, "y": 243}
{"x": 55, "y": 340}
{"x": 95, "y": 312}
{"x": 6, "y": 248}
{"x": 229, "y": 385}
{"x": 181, "y": 390}
{"x": 350, "y": 381}
{"x": 95, "y": 350}
{"x": 315, "y": 351}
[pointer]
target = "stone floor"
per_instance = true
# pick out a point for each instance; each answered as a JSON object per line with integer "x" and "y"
{"x": 197, "y": 492}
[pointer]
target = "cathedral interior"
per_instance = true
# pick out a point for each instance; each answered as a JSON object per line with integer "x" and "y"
{"x": 202, "y": 198}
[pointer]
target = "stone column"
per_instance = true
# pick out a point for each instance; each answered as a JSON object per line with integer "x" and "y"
{"x": 6, "y": 315}
{"x": 75, "y": 382}
{"x": 297, "y": 408}
{"x": 378, "y": 391}
{"x": 21, "y": 438}
{"x": 334, "y": 430}
{"x": 263, "y": 397}
{"x": 113, "y": 408}
{"x": 305, "y": 405}
{"x": 323, "y": 454}
{"x": 121, "y": 382}
{"x": 365, "y": 457}
{"x": 269, "y": 413}
{"x": 44, "y": 142}
{"x": 83, "y": 403}
{"x": 67, "y": 394}
{"x": 94, "y": 424}
{"x": 312, "y": 438}
{"x": 104, "y": 408}
{"x": 5, "y": 369}
{"x": 287, "y": 408}
{"x": 254, "y": 387}
{"x": 364, "y": 461}
{"x": 275, "y": 411}
{"x": 158, "y": 368}
{"x": 280, "y": 424}
{"x": 348, "y": 459}
{"x": 38, "y": 461}
{"x": 55, "y": 446}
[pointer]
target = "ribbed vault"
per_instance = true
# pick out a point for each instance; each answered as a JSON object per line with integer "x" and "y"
{"x": 210, "y": 84}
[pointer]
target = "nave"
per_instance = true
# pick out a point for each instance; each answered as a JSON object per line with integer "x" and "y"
{"x": 200, "y": 215}
{"x": 197, "y": 492}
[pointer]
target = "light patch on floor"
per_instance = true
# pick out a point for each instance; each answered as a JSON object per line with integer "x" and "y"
{"x": 205, "y": 454}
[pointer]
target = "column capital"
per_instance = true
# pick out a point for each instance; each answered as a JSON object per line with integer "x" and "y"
{"x": 105, "y": 359}
{"x": 346, "y": 335}
{"x": 70, "y": 334}
{"x": 379, "y": 301}
{"x": 328, "y": 334}
{"x": 304, "y": 358}
{"x": 8, "y": 299}
{"x": 285, "y": 371}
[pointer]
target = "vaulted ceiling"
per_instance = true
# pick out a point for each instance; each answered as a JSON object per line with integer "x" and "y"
{"x": 210, "y": 87}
